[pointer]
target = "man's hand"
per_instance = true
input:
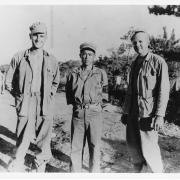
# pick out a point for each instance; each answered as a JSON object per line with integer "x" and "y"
{"x": 124, "y": 119}
{"x": 158, "y": 123}
{"x": 8, "y": 87}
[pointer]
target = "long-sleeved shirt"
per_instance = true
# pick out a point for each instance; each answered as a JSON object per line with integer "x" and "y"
{"x": 80, "y": 90}
{"x": 19, "y": 80}
{"x": 152, "y": 87}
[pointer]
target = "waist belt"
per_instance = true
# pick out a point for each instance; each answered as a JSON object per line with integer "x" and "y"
{"x": 86, "y": 106}
{"x": 35, "y": 93}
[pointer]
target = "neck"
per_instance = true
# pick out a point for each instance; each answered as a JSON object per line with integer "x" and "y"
{"x": 89, "y": 67}
{"x": 36, "y": 51}
{"x": 143, "y": 55}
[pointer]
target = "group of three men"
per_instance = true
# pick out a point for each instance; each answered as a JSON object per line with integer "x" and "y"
{"x": 33, "y": 79}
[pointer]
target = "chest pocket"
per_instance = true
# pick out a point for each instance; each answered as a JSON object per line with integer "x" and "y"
{"x": 150, "y": 80}
{"x": 98, "y": 81}
{"x": 50, "y": 73}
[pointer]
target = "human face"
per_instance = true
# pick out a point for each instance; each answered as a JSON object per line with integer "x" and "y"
{"x": 38, "y": 40}
{"x": 140, "y": 43}
{"x": 87, "y": 57}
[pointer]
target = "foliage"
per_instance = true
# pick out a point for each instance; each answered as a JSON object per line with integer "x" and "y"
{"x": 114, "y": 66}
{"x": 118, "y": 64}
{"x": 65, "y": 68}
{"x": 168, "y": 48}
{"x": 168, "y": 10}
{"x": 171, "y": 52}
{"x": 162, "y": 45}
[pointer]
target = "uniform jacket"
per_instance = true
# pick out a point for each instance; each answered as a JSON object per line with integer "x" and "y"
{"x": 152, "y": 85}
{"x": 90, "y": 91}
{"x": 19, "y": 78}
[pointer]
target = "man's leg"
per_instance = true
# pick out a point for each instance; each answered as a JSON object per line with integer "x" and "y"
{"x": 77, "y": 141}
{"x": 26, "y": 132}
{"x": 24, "y": 137}
{"x": 134, "y": 143}
{"x": 43, "y": 141}
{"x": 94, "y": 141}
{"x": 151, "y": 150}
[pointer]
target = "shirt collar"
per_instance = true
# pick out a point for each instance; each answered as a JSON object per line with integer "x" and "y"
{"x": 148, "y": 56}
{"x": 79, "y": 70}
{"x": 27, "y": 53}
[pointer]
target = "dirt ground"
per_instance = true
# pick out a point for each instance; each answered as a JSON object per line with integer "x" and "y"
{"x": 114, "y": 155}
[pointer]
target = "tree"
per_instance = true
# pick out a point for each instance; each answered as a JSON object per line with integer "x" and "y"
{"x": 163, "y": 45}
{"x": 168, "y": 10}
{"x": 171, "y": 53}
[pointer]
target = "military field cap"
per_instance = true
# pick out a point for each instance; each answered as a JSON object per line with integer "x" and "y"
{"x": 89, "y": 46}
{"x": 38, "y": 27}
{"x": 138, "y": 31}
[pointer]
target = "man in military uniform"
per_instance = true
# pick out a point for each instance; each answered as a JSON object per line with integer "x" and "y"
{"x": 33, "y": 78}
{"x": 84, "y": 90}
{"x": 145, "y": 104}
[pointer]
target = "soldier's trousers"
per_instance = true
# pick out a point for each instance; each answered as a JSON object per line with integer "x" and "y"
{"x": 86, "y": 123}
{"x": 143, "y": 144}
{"x": 34, "y": 126}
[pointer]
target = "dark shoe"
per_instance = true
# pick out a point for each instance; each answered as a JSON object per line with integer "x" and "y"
{"x": 138, "y": 167}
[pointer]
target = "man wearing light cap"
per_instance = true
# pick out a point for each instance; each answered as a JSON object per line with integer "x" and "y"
{"x": 145, "y": 105}
{"x": 84, "y": 90}
{"x": 33, "y": 78}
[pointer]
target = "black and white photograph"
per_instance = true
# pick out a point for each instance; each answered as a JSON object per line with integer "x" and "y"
{"x": 90, "y": 88}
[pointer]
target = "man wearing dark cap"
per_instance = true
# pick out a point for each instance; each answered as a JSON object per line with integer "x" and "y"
{"x": 33, "y": 78}
{"x": 84, "y": 90}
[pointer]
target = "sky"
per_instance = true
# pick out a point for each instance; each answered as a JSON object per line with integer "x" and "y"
{"x": 70, "y": 25}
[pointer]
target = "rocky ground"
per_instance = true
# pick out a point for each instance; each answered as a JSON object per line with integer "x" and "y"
{"x": 114, "y": 155}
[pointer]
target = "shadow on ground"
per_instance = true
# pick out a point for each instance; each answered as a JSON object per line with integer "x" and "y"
{"x": 6, "y": 132}
{"x": 7, "y": 148}
{"x": 118, "y": 160}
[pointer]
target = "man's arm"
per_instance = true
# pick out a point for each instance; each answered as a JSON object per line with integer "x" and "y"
{"x": 162, "y": 96}
{"x": 163, "y": 89}
{"x": 104, "y": 86}
{"x": 56, "y": 80}
{"x": 11, "y": 72}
